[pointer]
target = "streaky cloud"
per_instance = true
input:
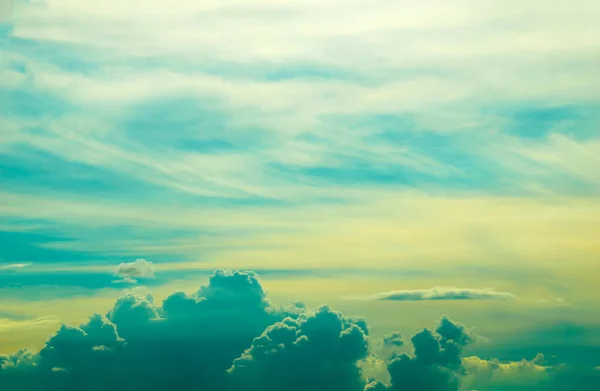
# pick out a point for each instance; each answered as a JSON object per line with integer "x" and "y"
{"x": 12, "y": 325}
{"x": 14, "y": 266}
{"x": 440, "y": 293}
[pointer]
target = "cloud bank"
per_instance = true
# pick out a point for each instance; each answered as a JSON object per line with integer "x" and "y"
{"x": 228, "y": 336}
{"x": 443, "y": 294}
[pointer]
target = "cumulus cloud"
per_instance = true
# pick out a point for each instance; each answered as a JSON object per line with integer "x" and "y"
{"x": 493, "y": 374}
{"x": 186, "y": 342}
{"x": 530, "y": 375}
{"x": 443, "y": 294}
{"x": 19, "y": 371}
{"x": 227, "y": 336}
{"x": 324, "y": 344}
{"x": 435, "y": 363}
{"x": 129, "y": 271}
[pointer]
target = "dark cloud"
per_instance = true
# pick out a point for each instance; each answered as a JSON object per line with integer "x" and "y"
{"x": 75, "y": 356}
{"x": 453, "y": 331}
{"x": 435, "y": 364}
{"x": 19, "y": 371}
{"x": 443, "y": 294}
{"x": 187, "y": 343}
{"x": 323, "y": 344}
{"x": 195, "y": 338}
{"x": 393, "y": 339}
{"x": 227, "y": 336}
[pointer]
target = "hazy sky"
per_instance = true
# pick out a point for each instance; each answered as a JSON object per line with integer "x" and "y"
{"x": 396, "y": 160}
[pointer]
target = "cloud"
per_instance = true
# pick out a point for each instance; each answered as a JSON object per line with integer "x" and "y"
{"x": 435, "y": 364}
{"x": 138, "y": 269}
{"x": 126, "y": 280}
{"x": 393, "y": 339}
{"x": 188, "y": 341}
{"x": 194, "y": 338}
{"x": 303, "y": 119}
{"x": 324, "y": 343}
{"x": 19, "y": 371}
{"x": 14, "y": 266}
{"x": 228, "y": 336}
{"x": 375, "y": 385}
{"x": 496, "y": 375}
{"x": 443, "y": 294}
{"x": 449, "y": 330}
{"x": 5, "y": 10}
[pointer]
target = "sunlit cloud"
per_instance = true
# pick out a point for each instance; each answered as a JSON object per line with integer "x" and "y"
{"x": 129, "y": 271}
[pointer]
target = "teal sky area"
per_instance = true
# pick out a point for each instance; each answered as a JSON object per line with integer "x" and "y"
{"x": 397, "y": 161}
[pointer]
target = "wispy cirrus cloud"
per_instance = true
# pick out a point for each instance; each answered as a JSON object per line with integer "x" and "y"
{"x": 14, "y": 266}
{"x": 256, "y": 139}
{"x": 9, "y": 325}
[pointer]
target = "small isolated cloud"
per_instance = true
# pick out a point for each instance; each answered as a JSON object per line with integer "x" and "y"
{"x": 443, "y": 294}
{"x": 129, "y": 271}
{"x": 393, "y": 339}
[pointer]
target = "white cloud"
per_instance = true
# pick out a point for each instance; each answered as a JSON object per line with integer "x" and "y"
{"x": 404, "y": 58}
{"x": 129, "y": 271}
{"x": 125, "y": 280}
{"x": 6, "y": 8}
{"x": 436, "y": 63}
{"x": 466, "y": 51}
{"x": 14, "y": 266}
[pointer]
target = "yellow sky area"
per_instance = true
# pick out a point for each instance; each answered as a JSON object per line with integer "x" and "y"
{"x": 379, "y": 229}
{"x": 40, "y": 319}
{"x": 559, "y": 235}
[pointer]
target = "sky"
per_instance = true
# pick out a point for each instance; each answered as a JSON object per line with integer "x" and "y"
{"x": 391, "y": 165}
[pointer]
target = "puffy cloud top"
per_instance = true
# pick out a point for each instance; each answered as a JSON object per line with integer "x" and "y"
{"x": 323, "y": 344}
{"x": 435, "y": 364}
